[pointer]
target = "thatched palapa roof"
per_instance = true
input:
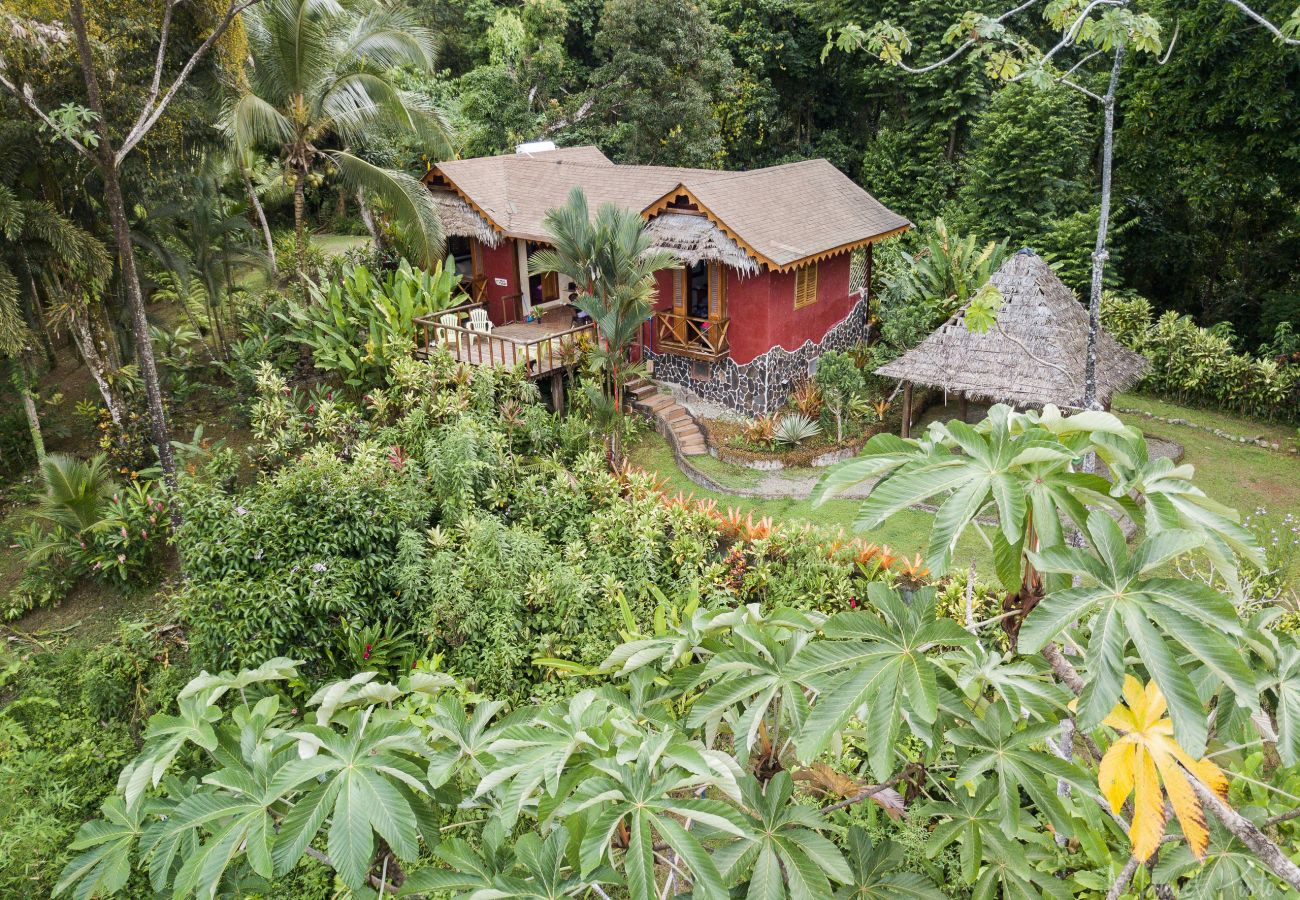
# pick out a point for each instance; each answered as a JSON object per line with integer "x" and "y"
{"x": 693, "y": 238}
{"x": 1033, "y": 356}
{"x": 459, "y": 218}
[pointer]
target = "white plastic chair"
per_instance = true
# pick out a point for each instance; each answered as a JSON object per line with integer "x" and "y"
{"x": 444, "y": 333}
{"x": 479, "y": 321}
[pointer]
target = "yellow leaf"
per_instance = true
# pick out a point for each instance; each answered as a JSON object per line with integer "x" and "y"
{"x": 1145, "y": 756}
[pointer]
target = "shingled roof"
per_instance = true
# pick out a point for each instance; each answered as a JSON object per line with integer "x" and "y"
{"x": 779, "y": 216}
{"x": 1036, "y": 353}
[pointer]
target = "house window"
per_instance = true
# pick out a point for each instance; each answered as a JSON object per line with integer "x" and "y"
{"x": 465, "y": 253}
{"x": 805, "y": 286}
{"x": 699, "y": 291}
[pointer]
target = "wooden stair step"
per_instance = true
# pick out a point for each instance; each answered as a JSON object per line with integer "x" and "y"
{"x": 676, "y": 414}
{"x": 637, "y": 382}
{"x": 642, "y": 390}
{"x": 657, "y": 402}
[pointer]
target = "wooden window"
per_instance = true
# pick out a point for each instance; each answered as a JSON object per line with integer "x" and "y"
{"x": 717, "y": 292}
{"x": 805, "y": 286}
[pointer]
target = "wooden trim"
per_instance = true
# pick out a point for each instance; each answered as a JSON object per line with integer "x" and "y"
{"x": 843, "y": 248}
{"x": 805, "y": 286}
{"x": 717, "y": 292}
{"x": 662, "y": 204}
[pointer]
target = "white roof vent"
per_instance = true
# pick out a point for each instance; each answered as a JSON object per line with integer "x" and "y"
{"x": 535, "y": 147}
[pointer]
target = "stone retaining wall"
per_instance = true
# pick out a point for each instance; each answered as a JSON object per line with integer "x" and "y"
{"x": 762, "y": 385}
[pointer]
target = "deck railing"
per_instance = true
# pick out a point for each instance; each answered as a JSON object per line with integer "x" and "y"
{"x": 485, "y": 348}
{"x": 691, "y": 336}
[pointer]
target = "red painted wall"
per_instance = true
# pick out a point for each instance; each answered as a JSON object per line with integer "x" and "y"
{"x": 761, "y": 308}
{"x": 499, "y": 262}
{"x": 790, "y": 327}
{"x": 749, "y": 304}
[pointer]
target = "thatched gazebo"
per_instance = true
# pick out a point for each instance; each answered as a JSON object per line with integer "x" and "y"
{"x": 1033, "y": 356}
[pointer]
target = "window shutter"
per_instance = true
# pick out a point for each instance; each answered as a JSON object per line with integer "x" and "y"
{"x": 805, "y": 286}
{"x": 717, "y": 291}
{"x": 679, "y": 292}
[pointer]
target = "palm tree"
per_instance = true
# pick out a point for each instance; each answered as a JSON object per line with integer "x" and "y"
{"x": 612, "y": 261}
{"x": 203, "y": 238}
{"x": 321, "y": 75}
{"x": 42, "y": 251}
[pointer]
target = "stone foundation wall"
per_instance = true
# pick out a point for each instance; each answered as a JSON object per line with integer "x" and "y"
{"x": 763, "y": 384}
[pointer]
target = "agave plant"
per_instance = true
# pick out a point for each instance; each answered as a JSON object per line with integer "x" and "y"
{"x": 795, "y": 428}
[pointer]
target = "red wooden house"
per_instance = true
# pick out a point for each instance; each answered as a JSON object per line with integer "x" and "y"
{"x": 775, "y": 262}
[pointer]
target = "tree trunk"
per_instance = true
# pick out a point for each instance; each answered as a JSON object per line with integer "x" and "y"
{"x": 299, "y": 219}
{"x": 1100, "y": 254}
{"x": 85, "y": 342}
{"x": 116, "y": 206}
{"x": 34, "y": 313}
{"x": 368, "y": 219}
{"x": 261, "y": 217}
{"x": 907, "y": 409}
{"x": 23, "y": 385}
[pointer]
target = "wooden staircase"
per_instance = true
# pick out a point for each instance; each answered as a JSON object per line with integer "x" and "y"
{"x": 646, "y": 398}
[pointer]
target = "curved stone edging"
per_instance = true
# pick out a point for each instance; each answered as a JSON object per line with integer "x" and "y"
{"x": 775, "y": 464}
{"x": 1217, "y": 432}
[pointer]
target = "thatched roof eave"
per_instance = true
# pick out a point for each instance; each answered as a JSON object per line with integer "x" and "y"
{"x": 1034, "y": 355}
{"x": 694, "y": 238}
{"x": 461, "y": 219}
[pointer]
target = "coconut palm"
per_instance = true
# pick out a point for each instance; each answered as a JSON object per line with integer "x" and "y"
{"x": 321, "y": 85}
{"x": 611, "y": 260}
{"x": 41, "y": 250}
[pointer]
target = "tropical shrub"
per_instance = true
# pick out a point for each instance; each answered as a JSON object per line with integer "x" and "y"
{"x": 795, "y": 428}
{"x": 1193, "y": 364}
{"x": 358, "y": 324}
{"x": 840, "y": 381}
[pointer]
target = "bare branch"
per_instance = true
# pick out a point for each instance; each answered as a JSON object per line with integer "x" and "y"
{"x": 376, "y": 881}
{"x": 1081, "y": 89}
{"x": 863, "y": 794}
{"x": 25, "y": 99}
{"x": 967, "y": 45}
{"x": 1121, "y": 881}
{"x": 149, "y": 117}
{"x": 1276, "y": 32}
{"x": 156, "y": 84}
{"x": 1245, "y": 831}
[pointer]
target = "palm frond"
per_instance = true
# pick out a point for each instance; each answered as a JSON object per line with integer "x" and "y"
{"x": 252, "y": 122}
{"x": 13, "y": 331}
{"x": 408, "y": 199}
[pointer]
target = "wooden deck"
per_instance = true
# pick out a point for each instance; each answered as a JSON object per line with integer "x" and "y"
{"x": 544, "y": 346}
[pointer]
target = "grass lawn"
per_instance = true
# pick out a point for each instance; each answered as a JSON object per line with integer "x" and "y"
{"x": 1243, "y": 476}
{"x": 906, "y": 533}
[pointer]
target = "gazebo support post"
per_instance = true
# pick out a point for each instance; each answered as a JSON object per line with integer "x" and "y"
{"x": 962, "y": 406}
{"x": 907, "y": 409}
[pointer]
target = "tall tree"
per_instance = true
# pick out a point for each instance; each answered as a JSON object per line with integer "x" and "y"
{"x": 107, "y": 146}
{"x": 662, "y": 69}
{"x": 321, "y": 74}
{"x": 1105, "y": 29}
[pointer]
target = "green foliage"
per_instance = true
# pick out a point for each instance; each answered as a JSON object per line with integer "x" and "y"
{"x": 1028, "y": 166}
{"x": 794, "y": 428}
{"x": 841, "y": 382}
{"x": 1196, "y": 364}
{"x": 661, "y": 68}
{"x": 946, "y": 273}
{"x": 358, "y": 325}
